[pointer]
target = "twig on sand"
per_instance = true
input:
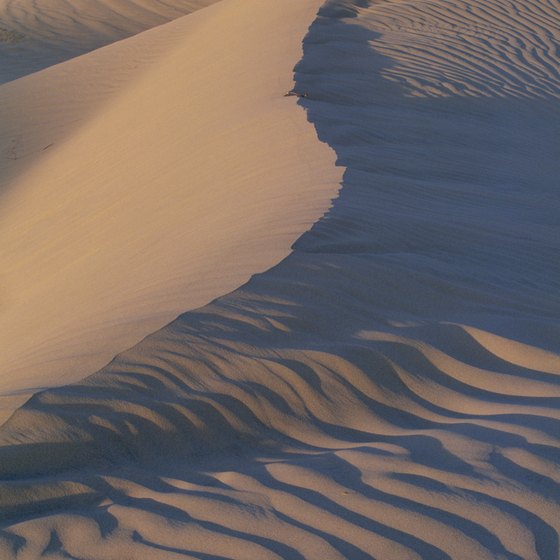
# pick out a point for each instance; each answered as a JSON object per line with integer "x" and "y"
{"x": 295, "y": 93}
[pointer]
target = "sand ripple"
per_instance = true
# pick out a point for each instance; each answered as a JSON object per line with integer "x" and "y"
{"x": 391, "y": 389}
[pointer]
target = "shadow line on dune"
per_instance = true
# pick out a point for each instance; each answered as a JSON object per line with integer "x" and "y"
{"x": 397, "y": 252}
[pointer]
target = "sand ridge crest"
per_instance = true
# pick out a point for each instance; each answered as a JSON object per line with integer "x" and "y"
{"x": 168, "y": 159}
{"x": 388, "y": 390}
{"x": 41, "y": 34}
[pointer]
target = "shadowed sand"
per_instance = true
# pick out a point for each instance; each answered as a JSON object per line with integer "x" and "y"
{"x": 391, "y": 388}
{"x": 145, "y": 181}
{"x": 35, "y": 35}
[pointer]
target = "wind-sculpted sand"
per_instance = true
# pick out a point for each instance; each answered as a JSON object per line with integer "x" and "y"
{"x": 391, "y": 388}
{"x": 35, "y": 35}
{"x": 135, "y": 192}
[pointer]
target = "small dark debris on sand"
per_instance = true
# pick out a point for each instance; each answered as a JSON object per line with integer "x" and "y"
{"x": 292, "y": 93}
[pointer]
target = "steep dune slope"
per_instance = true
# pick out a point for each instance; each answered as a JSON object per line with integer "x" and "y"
{"x": 193, "y": 174}
{"x": 83, "y": 22}
{"x": 34, "y": 35}
{"x": 392, "y": 388}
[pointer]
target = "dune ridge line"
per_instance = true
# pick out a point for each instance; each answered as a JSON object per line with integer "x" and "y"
{"x": 391, "y": 388}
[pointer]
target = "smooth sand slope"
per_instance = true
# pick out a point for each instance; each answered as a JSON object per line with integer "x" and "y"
{"x": 391, "y": 388}
{"x": 133, "y": 192}
{"x": 34, "y": 35}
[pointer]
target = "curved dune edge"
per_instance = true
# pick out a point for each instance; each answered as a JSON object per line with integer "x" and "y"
{"x": 41, "y": 112}
{"x": 35, "y": 35}
{"x": 196, "y": 174}
{"x": 390, "y": 390}
{"x": 82, "y": 24}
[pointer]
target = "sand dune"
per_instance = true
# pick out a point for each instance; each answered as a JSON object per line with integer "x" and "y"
{"x": 35, "y": 35}
{"x": 127, "y": 205}
{"x": 391, "y": 388}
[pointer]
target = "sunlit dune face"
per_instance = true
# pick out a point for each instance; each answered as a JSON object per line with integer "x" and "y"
{"x": 145, "y": 179}
{"x": 36, "y": 35}
{"x": 387, "y": 387}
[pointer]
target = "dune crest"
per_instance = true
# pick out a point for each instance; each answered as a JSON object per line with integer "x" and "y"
{"x": 171, "y": 190}
{"x": 391, "y": 388}
{"x": 35, "y": 35}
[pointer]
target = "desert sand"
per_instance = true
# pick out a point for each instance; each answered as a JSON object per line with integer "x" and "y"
{"x": 35, "y": 35}
{"x": 366, "y": 359}
{"x": 145, "y": 182}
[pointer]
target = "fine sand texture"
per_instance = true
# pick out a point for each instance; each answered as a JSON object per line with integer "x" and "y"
{"x": 36, "y": 34}
{"x": 390, "y": 389}
{"x": 141, "y": 181}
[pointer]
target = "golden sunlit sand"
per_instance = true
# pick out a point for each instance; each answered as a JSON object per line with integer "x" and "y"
{"x": 147, "y": 181}
{"x": 243, "y": 324}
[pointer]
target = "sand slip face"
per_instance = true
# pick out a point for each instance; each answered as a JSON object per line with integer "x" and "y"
{"x": 391, "y": 389}
{"x": 171, "y": 189}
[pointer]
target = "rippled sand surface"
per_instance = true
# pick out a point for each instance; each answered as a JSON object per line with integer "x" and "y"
{"x": 390, "y": 389}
